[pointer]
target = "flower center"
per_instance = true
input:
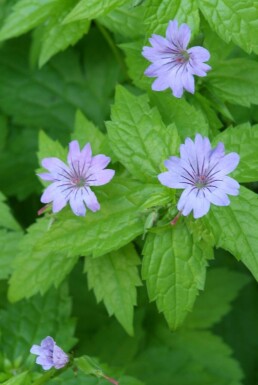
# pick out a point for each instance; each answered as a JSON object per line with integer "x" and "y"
{"x": 183, "y": 57}
{"x": 200, "y": 181}
{"x": 79, "y": 182}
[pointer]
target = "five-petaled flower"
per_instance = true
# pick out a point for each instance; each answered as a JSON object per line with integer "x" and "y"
{"x": 72, "y": 183}
{"x": 202, "y": 173}
{"x": 49, "y": 354}
{"x": 172, "y": 63}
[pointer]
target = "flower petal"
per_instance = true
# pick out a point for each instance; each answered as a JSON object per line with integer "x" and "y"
{"x": 201, "y": 206}
{"x": 55, "y": 166}
{"x": 171, "y": 180}
{"x": 160, "y": 84}
{"x": 91, "y": 200}
{"x": 52, "y": 192}
{"x": 229, "y": 162}
{"x": 184, "y": 34}
{"x": 199, "y": 54}
{"x": 77, "y": 204}
{"x": 218, "y": 197}
{"x": 99, "y": 178}
{"x": 99, "y": 162}
{"x": 59, "y": 203}
{"x": 46, "y": 176}
{"x": 229, "y": 186}
{"x": 35, "y": 349}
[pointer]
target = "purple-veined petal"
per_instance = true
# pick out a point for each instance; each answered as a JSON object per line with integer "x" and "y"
{"x": 172, "y": 31}
{"x": 59, "y": 203}
{"x": 188, "y": 82}
{"x": 229, "y": 162}
{"x": 100, "y": 177}
{"x": 201, "y": 206}
{"x": 35, "y": 349}
{"x": 46, "y": 176}
{"x": 199, "y": 53}
{"x": 77, "y": 204}
{"x": 51, "y": 192}
{"x": 218, "y": 197}
{"x": 160, "y": 84}
{"x": 91, "y": 200}
{"x": 99, "y": 162}
{"x": 171, "y": 180}
{"x": 172, "y": 162}
{"x": 184, "y": 34}
{"x": 55, "y": 166}
{"x": 229, "y": 186}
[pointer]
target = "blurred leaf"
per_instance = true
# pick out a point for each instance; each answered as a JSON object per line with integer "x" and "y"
{"x": 221, "y": 288}
{"x": 242, "y": 139}
{"x": 235, "y": 81}
{"x": 114, "y": 278}
{"x": 29, "y": 321}
{"x": 90, "y": 9}
{"x": 233, "y": 20}
{"x": 20, "y": 379}
{"x": 174, "y": 274}
{"x": 133, "y": 130}
{"x": 6, "y": 218}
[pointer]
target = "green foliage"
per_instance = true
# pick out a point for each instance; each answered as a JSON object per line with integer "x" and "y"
{"x": 90, "y": 9}
{"x": 235, "y": 81}
{"x": 29, "y": 321}
{"x": 114, "y": 278}
{"x": 159, "y": 13}
{"x": 9, "y": 241}
{"x": 174, "y": 274}
{"x": 233, "y": 20}
{"x": 132, "y": 134}
{"x": 242, "y": 139}
{"x": 234, "y": 229}
{"x": 20, "y": 379}
{"x": 6, "y": 218}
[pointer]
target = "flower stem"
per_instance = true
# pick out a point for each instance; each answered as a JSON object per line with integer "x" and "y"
{"x": 174, "y": 221}
{"x": 111, "y": 380}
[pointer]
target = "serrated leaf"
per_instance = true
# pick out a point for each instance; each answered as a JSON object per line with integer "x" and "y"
{"x": 26, "y": 15}
{"x": 186, "y": 117}
{"x": 56, "y": 36}
{"x": 125, "y": 21}
{"x": 235, "y": 228}
{"x": 134, "y": 129}
{"x": 29, "y": 321}
{"x": 91, "y": 9}
{"x": 174, "y": 269}
{"x": 233, "y": 20}
{"x": 50, "y": 148}
{"x": 242, "y": 139}
{"x": 51, "y": 248}
{"x": 159, "y": 12}
{"x": 6, "y": 218}
{"x": 235, "y": 81}
{"x": 221, "y": 288}
{"x": 9, "y": 241}
{"x": 114, "y": 278}
{"x": 88, "y": 366}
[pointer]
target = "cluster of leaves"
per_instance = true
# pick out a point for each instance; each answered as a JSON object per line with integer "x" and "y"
{"x": 48, "y": 98}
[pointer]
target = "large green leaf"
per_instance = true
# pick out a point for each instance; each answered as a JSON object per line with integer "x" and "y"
{"x": 159, "y": 12}
{"x": 29, "y": 321}
{"x": 138, "y": 136}
{"x": 174, "y": 268}
{"x": 52, "y": 246}
{"x": 235, "y": 81}
{"x": 114, "y": 278}
{"x": 26, "y": 14}
{"x": 234, "y": 20}
{"x": 242, "y": 139}
{"x": 235, "y": 228}
{"x": 90, "y": 9}
{"x": 6, "y": 218}
{"x": 9, "y": 241}
{"x": 221, "y": 288}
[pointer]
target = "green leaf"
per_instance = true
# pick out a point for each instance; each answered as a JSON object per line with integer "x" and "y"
{"x": 133, "y": 130}
{"x": 51, "y": 248}
{"x": 221, "y": 288}
{"x": 186, "y": 117}
{"x": 124, "y": 21}
{"x": 233, "y": 20}
{"x": 174, "y": 274}
{"x": 6, "y": 219}
{"x": 235, "y": 81}
{"x": 91, "y": 9}
{"x": 56, "y": 36}
{"x": 9, "y": 242}
{"x": 114, "y": 278}
{"x": 50, "y": 148}
{"x": 20, "y": 379}
{"x": 26, "y": 15}
{"x": 242, "y": 139}
{"x": 159, "y": 12}
{"x": 89, "y": 366}
{"x": 29, "y": 321}
{"x": 235, "y": 228}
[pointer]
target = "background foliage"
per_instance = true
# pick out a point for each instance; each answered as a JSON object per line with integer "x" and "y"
{"x": 128, "y": 294}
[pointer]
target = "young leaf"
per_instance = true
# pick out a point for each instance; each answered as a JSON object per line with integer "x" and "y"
{"x": 233, "y": 20}
{"x": 114, "y": 278}
{"x": 159, "y": 12}
{"x": 29, "y": 321}
{"x": 134, "y": 128}
{"x": 91, "y": 9}
{"x": 235, "y": 228}
{"x": 26, "y": 15}
{"x": 242, "y": 139}
{"x": 235, "y": 81}
{"x": 221, "y": 288}
{"x": 174, "y": 268}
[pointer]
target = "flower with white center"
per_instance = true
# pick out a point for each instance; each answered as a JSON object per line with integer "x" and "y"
{"x": 202, "y": 172}
{"x": 49, "y": 354}
{"x": 172, "y": 63}
{"x": 71, "y": 183}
